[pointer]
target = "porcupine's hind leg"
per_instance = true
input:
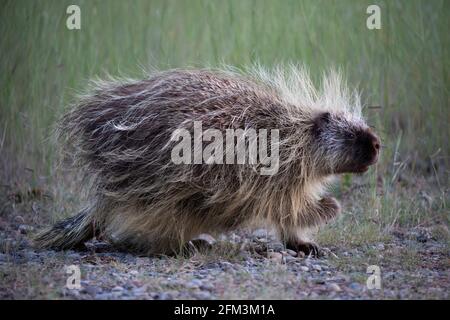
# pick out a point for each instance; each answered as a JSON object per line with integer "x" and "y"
{"x": 157, "y": 241}
{"x": 326, "y": 209}
{"x": 196, "y": 245}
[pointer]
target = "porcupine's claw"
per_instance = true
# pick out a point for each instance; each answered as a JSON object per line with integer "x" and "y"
{"x": 308, "y": 248}
{"x": 196, "y": 245}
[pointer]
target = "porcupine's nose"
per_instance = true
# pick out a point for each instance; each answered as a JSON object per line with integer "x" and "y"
{"x": 376, "y": 143}
{"x": 376, "y": 146}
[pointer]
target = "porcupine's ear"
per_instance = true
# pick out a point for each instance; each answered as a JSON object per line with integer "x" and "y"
{"x": 320, "y": 122}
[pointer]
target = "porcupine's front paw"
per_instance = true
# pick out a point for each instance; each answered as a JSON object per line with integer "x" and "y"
{"x": 308, "y": 248}
{"x": 329, "y": 208}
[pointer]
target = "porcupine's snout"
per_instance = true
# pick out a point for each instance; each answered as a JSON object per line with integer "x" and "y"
{"x": 366, "y": 150}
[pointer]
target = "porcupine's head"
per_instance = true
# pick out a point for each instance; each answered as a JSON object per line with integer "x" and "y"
{"x": 332, "y": 132}
{"x": 343, "y": 141}
{"x": 347, "y": 144}
{"x": 337, "y": 137}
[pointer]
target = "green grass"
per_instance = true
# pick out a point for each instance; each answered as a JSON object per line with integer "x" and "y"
{"x": 404, "y": 68}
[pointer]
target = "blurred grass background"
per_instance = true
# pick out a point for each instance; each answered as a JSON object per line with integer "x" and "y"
{"x": 404, "y": 67}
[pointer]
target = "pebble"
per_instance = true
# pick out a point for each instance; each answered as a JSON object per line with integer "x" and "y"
{"x": 207, "y": 286}
{"x": 19, "y": 218}
{"x": 117, "y": 288}
{"x": 277, "y": 246}
{"x": 225, "y": 265}
{"x": 260, "y": 233}
{"x": 3, "y": 257}
{"x": 24, "y": 229}
{"x": 193, "y": 284}
{"x": 304, "y": 268}
{"x": 91, "y": 290}
{"x": 103, "y": 296}
{"x": 139, "y": 291}
{"x": 142, "y": 261}
{"x": 202, "y": 295}
{"x": 423, "y": 237}
{"x": 291, "y": 252}
{"x": 163, "y": 296}
{"x": 30, "y": 255}
{"x": 319, "y": 281}
{"x": 289, "y": 259}
{"x": 316, "y": 267}
{"x": 355, "y": 286}
{"x": 275, "y": 256}
{"x": 74, "y": 256}
{"x": 335, "y": 287}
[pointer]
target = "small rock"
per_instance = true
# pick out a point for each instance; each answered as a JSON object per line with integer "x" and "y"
{"x": 304, "y": 268}
{"x": 319, "y": 281}
{"x": 260, "y": 233}
{"x": 117, "y": 294}
{"x": 117, "y": 289}
{"x": 423, "y": 237}
{"x": 289, "y": 258}
{"x": 91, "y": 290}
{"x": 225, "y": 265}
{"x": 103, "y": 296}
{"x": 24, "y": 229}
{"x": 74, "y": 293}
{"x": 30, "y": 255}
{"x": 202, "y": 295}
{"x": 139, "y": 291}
{"x": 277, "y": 246}
{"x": 316, "y": 267}
{"x": 193, "y": 284}
{"x": 163, "y": 296}
{"x": 335, "y": 287}
{"x": 355, "y": 286}
{"x": 19, "y": 218}
{"x": 291, "y": 252}
{"x": 207, "y": 286}
{"x": 142, "y": 260}
{"x": 235, "y": 238}
{"x": 74, "y": 256}
{"x": 275, "y": 256}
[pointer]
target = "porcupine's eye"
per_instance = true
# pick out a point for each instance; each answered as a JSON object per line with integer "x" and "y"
{"x": 349, "y": 136}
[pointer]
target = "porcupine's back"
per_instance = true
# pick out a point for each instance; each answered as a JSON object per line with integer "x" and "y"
{"x": 120, "y": 133}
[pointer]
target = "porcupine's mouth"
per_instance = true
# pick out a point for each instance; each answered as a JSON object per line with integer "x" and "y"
{"x": 362, "y": 169}
{"x": 365, "y": 167}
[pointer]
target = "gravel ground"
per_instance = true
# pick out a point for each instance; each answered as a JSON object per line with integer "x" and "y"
{"x": 242, "y": 265}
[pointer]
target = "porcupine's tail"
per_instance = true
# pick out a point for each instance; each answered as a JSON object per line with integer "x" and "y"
{"x": 69, "y": 233}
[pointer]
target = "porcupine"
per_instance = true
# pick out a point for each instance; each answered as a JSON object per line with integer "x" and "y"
{"x": 120, "y": 136}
